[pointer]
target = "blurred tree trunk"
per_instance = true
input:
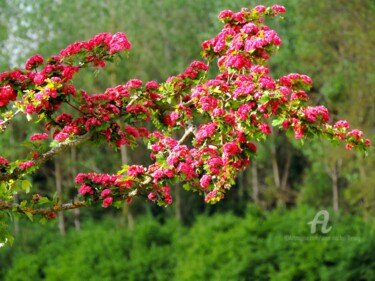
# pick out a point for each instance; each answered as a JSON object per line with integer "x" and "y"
{"x": 335, "y": 175}
{"x": 254, "y": 181}
{"x": 286, "y": 168}
{"x": 178, "y": 204}
{"x": 275, "y": 165}
{"x": 73, "y": 157}
{"x": 58, "y": 183}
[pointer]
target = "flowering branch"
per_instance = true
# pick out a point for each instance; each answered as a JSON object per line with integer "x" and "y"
{"x": 39, "y": 160}
{"x": 234, "y": 110}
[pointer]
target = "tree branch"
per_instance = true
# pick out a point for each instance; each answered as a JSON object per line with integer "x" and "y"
{"x": 191, "y": 129}
{"x": 17, "y": 172}
{"x": 41, "y": 211}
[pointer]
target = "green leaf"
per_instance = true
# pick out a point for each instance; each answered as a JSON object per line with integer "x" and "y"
{"x": 23, "y": 204}
{"x": 25, "y": 184}
{"x": 43, "y": 220}
{"x": 29, "y": 215}
{"x": 277, "y": 122}
{"x": 43, "y": 200}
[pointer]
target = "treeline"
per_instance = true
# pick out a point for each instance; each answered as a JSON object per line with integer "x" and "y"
{"x": 331, "y": 41}
{"x": 259, "y": 245}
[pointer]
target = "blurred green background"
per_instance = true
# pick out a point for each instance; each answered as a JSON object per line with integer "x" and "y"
{"x": 260, "y": 231}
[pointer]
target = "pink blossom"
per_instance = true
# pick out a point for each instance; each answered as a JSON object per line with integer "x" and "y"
{"x": 250, "y": 28}
{"x": 39, "y": 78}
{"x": 368, "y": 142}
{"x": 300, "y": 95}
{"x": 3, "y": 161}
{"x": 152, "y": 85}
{"x": 135, "y": 170}
{"x": 7, "y": 94}
{"x": 132, "y": 131}
{"x": 134, "y": 83}
{"x": 285, "y": 124}
{"x": 107, "y": 201}
{"x": 252, "y": 146}
{"x": 237, "y": 61}
{"x": 243, "y": 110}
{"x": 230, "y": 149}
{"x": 69, "y": 71}
{"x": 187, "y": 170}
{"x": 152, "y": 196}
{"x": 218, "y": 112}
{"x": 357, "y": 134}
{"x": 208, "y": 103}
{"x": 213, "y": 196}
{"x": 298, "y": 132}
{"x": 26, "y": 165}
{"x": 38, "y": 136}
{"x": 265, "y": 128}
{"x": 205, "y": 181}
{"x": 260, "y": 8}
{"x": 118, "y": 43}
{"x": 34, "y": 62}
{"x": 105, "y": 192}
{"x": 215, "y": 163}
{"x": 167, "y": 198}
{"x": 284, "y": 90}
{"x": 278, "y": 9}
{"x": 225, "y": 14}
{"x": 205, "y": 131}
{"x": 199, "y": 65}
{"x": 312, "y": 113}
{"x": 61, "y": 137}
{"x": 85, "y": 189}
{"x": 341, "y": 124}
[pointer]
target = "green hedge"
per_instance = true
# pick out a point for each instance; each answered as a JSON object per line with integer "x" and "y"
{"x": 261, "y": 245}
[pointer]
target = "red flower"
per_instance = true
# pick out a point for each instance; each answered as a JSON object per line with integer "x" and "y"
{"x": 105, "y": 192}
{"x": 26, "y": 165}
{"x": 107, "y": 201}
{"x": 135, "y": 170}
{"x": 265, "y": 128}
{"x": 230, "y": 149}
{"x": 34, "y": 62}
{"x": 36, "y": 137}
{"x": 3, "y": 161}
{"x": 118, "y": 43}
{"x": 85, "y": 189}
{"x": 205, "y": 181}
{"x": 61, "y": 137}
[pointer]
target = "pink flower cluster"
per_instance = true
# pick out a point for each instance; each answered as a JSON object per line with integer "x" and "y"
{"x": 34, "y": 62}
{"x": 243, "y": 41}
{"x": 312, "y": 113}
{"x": 116, "y": 43}
{"x": 3, "y": 161}
{"x": 26, "y": 165}
{"x": 38, "y": 136}
{"x": 7, "y": 94}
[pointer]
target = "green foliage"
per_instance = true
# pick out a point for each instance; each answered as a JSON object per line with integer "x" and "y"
{"x": 274, "y": 245}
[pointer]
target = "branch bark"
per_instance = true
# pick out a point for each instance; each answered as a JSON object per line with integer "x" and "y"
{"x": 42, "y": 211}
{"x": 17, "y": 172}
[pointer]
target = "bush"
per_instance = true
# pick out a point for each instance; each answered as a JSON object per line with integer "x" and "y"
{"x": 275, "y": 245}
